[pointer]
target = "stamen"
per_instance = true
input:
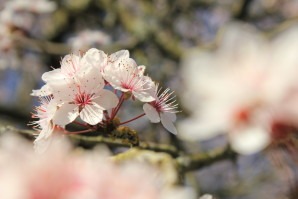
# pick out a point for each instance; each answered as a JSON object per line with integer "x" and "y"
{"x": 165, "y": 101}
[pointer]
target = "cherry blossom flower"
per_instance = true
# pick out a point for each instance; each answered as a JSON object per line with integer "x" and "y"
{"x": 75, "y": 66}
{"x": 27, "y": 175}
{"x": 80, "y": 88}
{"x": 72, "y": 67}
{"x": 45, "y": 113}
{"x": 126, "y": 76}
{"x": 100, "y": 60}
{"x": 87, "y": 99}
{"x": 163, "y": 109}
{"x": 242, "y": 90}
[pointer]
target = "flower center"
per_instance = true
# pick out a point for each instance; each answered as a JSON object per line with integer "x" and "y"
{"x": 242, "y": 115}
{"x": 130, "y": 82}
{"x": 165, "y": 101}
{"x": 83, "y": 99}
{"x": 158, "y": 105}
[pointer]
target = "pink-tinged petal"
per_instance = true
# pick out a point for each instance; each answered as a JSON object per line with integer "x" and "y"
{"x": 167, "y": 123}
{"x": 46, "y": 131}
{"x": 119, "y": 55}
{"x": 171, "y": 116}
{"x": 92, "y": 114}
{"x": 91, "y": 80}
{"x": 66, "y": 114}
{"x": 64, "y": 92}
{"x": 147, "y": 86}
{"x": 106, "y": 99}
{"x": 144, "y": 96}
{"x": 128, "y": 64}
{"x": 96, "y": 58}
{"x": 196, "y": 128}
{"x": 123, "y": 68}
{"x": 53, "y": 75}
{"x": 70, "y": 65}
{"x": 41, "y": 145}
{"x": 151, "y": 113}
{"x": 54, "y": 141}
{"x": 250, "y": 140}
{"x": 43, "y": 91}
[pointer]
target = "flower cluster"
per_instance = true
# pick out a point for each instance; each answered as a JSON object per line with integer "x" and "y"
{"x": 89, "y": 90}
{"x": 247, "y": 90}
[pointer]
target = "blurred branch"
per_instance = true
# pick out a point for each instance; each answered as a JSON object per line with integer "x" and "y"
{"x": 200, "y": 160}
{"x": 123, "y": 143}
{"x": 41, "y": 45}
{"x": 171, "y": 150}
{"x": 10, "y": 129}
{"x": 14, "y": 113}
{"x": 62, "y": 48}
{"x": 128, "y": 43}
{"x": 186, "y": 162}
{"x": 244, "y": 11}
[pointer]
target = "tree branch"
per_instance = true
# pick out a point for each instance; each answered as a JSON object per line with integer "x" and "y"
{"x": 171, "y": 150}
{"x": 186, "y": 162}
{"x": 200, "y": 160}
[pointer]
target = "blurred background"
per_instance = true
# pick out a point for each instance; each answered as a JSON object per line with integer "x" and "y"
{"x": 37, "y": 34}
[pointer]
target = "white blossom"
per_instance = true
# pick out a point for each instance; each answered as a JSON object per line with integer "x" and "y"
{"x": 126, "y": 76}
{"x": 44, "y": 113}
{"x": 243, "y": 88}
{"x": 86, "y": 98}
{"x": 62, "y": 173}
{"x": 163, "y": 109}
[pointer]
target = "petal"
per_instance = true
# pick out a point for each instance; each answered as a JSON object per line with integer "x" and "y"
{"x": 96, "y": 58}
{"x": 106, "y": 99}
{"x": 168, "y": 124}
{"x": 70, "y": 64}
{"x": 53, "y": 75}
{"x": 249, "y": 141}
{"x": 46, "y": 131}
{"x": 41, "y": 145}
{"x": 197, "y": 129}
{"x": 145, "y": 91}
{"x": 127, "y": 65}
{"x": 91, "y": 80}
{"x": 63, "y": 91}
{"x": 171, "y": 116}
{"x": 92, "y": 114}
{"x": 111, "y": 75}
{"x": 143, "y": 96}
{"x": 119, "y": 55}
{"x": 43, "y": 91}
{"x": 66, "y": 114}
{"x": 151, "y": 113}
